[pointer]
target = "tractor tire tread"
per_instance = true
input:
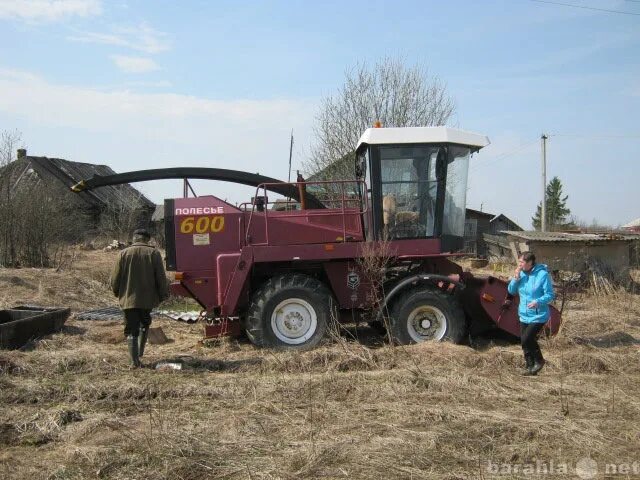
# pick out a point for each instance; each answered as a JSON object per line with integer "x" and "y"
{"x": 456, "y": 321}
{"x": 256, "y": 324}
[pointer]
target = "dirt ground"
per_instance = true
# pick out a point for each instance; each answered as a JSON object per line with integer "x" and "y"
{"x": 355, "y": 408}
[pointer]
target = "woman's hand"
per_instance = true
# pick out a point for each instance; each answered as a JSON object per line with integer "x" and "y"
{"x": 533, "y": 304}
{"x": 516, "y": 273}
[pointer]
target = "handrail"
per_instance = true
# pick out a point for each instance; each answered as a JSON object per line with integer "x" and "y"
{"x": 303, "y": 213}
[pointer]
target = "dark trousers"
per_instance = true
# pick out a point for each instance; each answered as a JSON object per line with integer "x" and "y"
{"x": 135, "y": 318}
{"x": 528, "y": 339}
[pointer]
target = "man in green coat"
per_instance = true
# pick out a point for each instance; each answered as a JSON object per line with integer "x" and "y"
{"x": 140, "y": 283}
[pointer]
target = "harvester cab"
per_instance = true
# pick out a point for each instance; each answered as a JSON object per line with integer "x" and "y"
{"x": 417, "y": 181}
{"x": 281, "y": 270}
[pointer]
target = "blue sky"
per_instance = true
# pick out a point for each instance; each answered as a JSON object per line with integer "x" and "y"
{"x": 150, "y": 84}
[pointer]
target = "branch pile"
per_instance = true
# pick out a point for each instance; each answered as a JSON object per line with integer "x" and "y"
{"x": 603, "y": 279}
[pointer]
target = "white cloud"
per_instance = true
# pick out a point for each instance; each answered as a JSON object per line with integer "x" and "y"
{"x": 132, "y": 131}
{"x": 48, "y": 10}
{"x": 134, "y": 64}
{"x": 142, "y": 38}
{"x": 83, "y": 107}
{"x": 150, "y": 84}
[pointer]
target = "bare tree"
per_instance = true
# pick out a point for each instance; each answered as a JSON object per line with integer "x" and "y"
{"x": 43, "y": 221}
{"x": 120, "y": 218}
{"x": 36, "y": 221}
{"x": 374, "y": 263}
{"x": 9, "y": 141}
{"x": 390, "y": 92}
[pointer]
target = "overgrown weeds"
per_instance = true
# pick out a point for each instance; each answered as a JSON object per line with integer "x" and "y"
{"x": 348, "y": 409}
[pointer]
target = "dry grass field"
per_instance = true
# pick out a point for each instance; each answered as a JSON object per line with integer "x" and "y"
{"x": 70, "y": 409}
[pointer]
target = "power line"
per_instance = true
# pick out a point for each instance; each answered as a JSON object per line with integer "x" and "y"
{"x": 502, "y": 156}
{"x": 586, "y": 8}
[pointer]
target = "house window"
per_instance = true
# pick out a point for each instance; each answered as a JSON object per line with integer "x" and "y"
{"x": 470, "y": 227}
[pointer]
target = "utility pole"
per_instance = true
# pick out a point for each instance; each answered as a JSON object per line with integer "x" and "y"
{"x": 543, "y": 215}
{"x": 290, "y": 155}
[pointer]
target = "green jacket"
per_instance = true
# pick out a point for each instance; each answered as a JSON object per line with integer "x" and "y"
{"x": 138, "y": 278}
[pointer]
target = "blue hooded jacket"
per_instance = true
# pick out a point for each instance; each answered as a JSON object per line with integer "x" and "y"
{"x": 535, "y": 285}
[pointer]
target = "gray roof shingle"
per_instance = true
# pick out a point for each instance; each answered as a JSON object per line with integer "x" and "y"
{"x": 70, "y": 173}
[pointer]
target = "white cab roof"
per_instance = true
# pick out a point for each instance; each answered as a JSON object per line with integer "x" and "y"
{"x": 381, "y": 136}
{"x": 632, "y": 224}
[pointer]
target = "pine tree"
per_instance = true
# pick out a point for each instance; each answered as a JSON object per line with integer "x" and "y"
{"x": 557, "y": 211}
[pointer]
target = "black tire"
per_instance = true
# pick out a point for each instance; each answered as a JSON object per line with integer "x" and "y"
{"x": 306, "y": 308}
{"x": 442, "y": 312}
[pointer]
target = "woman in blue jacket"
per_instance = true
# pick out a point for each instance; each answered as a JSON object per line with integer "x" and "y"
{"x": 532, "y": 283}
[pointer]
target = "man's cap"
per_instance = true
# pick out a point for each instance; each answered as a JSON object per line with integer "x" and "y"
{"x": 143, "y": 232}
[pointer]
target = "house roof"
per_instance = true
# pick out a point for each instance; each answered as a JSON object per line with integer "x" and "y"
{"x": 69, "y": 173}
{"x": 492, "y": 217}
{"x": 480, "y": 213}
{"x": 570, "y": 237}
{"x": 158, "y": 214}
{"x": 502, "y": 215}
{"x": 381, "y": 136}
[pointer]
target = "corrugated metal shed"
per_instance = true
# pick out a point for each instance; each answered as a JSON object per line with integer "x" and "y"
{"x": 570, "y": 237}
{"x": 576, "y": 251}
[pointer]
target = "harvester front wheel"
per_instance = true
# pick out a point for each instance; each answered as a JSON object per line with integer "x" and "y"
{"x": 289, "y": 311}
{"x": 425, "y": 314}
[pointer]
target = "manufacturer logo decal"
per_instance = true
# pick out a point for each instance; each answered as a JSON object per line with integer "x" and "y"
{"x": 353, "y": 280}
{"x": 201, "y": 239}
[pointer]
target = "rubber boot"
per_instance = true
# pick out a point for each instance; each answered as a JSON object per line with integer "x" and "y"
{"x": 133, "y": 351}
{"x": 538, "y": 362}
{"x": 529, "y": 362}
{"x": 142, "y": 340}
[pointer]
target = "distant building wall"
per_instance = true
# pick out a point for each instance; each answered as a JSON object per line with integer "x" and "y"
{"x": 573, "y": 255}
{"x": 477, "y": 223}
{"x": 498, "y": 248}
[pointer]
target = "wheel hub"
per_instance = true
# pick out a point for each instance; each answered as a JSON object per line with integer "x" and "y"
{"x": 426, "y": 323}
{"x": 294, "y": 321}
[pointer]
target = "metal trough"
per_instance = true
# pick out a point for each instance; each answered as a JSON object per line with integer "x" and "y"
{"x": 20, "y": 324}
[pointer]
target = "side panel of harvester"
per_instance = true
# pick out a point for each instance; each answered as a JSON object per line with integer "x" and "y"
{"x": 207, "y": 234}
{"x": 212, "y": 245}
{"x": 303, "y": 227}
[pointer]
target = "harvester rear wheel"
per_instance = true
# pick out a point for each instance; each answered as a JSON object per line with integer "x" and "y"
{"x": 289, "y": 311}
{"x": 425, "y": 314}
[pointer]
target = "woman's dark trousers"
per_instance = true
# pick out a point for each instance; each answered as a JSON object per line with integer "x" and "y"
{"x": 531, "y": 349}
